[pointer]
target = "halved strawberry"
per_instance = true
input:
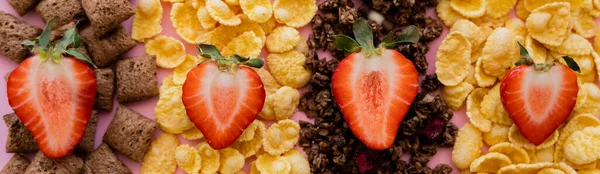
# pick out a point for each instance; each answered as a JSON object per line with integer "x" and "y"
{"x": 53, "y": 94}
{"x": 374, "y": 87}
{"x": 539, "y": 97}
{"x": 222, "y": 97}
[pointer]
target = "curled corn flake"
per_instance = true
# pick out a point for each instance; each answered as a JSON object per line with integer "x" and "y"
{"x": 525, "y": 168}
{"x": 446, "y": 14}
{"x": 223, "y": 34}
{"x": 294, "y": 13}
{"x": 582, "y": 146}
{"x": 147, "y": 20}
{"x": 470, "y": 31}
{"x": 220, "y": 11}
{"x": 188, "y": 158}
{"x": 577, "y": 123}
{"x": 170, "y": 114}
{"x": 590, "y": 101}
{"x": 253, "y": 169}
{"x": 467, "y": 147}
{"x": 497, "y": 134}
{"x": 210, "y": 158}
{"x": 299, "y": 164}
{"x": 252, "y": 146}
{"x": 257, "y": 10}
{"x": 247, "y": 44}
{"x": 280, "y": 105}
{"x": 453, "y": 59}
{"x": 469, "y": 8}
{"x": 483, "y": 80}
{"x": 574, "y": 45}
{"x": 203, "y": 16}
{"x": 231, "y": 161}
{"x": 160, "y": 157}
{"x": 545, "y": 154}
{"x": 271, "y": 85}
{"x": 281, "y": 137}
{"x": 517, "y": 26}
{"x": 282, "y": 39}
{"x": 186, "y": 23}
{"x": 490, "y": 163}
{"x": 471, "y": 76}
{"x": 288, "y": 68}
{"x": 492, "y": 109}
{"x": 550, "y": 24}
{"x": 455, "y": 96}
{"x": 232, "y": 2}
{"x": 272, "y": 164}
{"x": 474, "y": 110}
{"x": 531, "y": 5}
{"x": 589, "y": 171}
{"x": 180, "y": 72}
{"x": 169, "y": 52}
{"x": 550, "y": 171}
{"x": 192, "y": 134}
{"x": 499, "y": 8}
{"x": 302, "y": 46}
{"x": 491, "y": 22}
{"x": 248, "y": 133}
{"x": 269, "y": 25}
{"x": 515, "y": 137}
{"x": 522, "y": 13}
{"x": 583, "y": 23}
{"x": 499, "y": 52}
{"x": 516, "y": 154}
{"x": 537, "y": 51}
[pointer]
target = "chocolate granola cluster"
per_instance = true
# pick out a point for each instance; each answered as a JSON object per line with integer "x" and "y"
{"x": 329, "y": 143}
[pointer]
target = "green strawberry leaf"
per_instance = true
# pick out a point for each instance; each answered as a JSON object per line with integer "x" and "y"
{"x": 79, "y": 55}
{"x": 67, "y": 39}
{"x": 255, "y": 63}
{"x": 238, "y": 58}
{"x": 572, "y": 64}
{"x": 523, "y": 62}
{"x": 209, "y": 51}
{"x": 45, "y": 36}
{"x": 363, "y": 33}
{"x": 29, "y": 43}
{"x": 524, "y": 53}
{"x": 346, "y": 43}
{"x": 409, "y": 34}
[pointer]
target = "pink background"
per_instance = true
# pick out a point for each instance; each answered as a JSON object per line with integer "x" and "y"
{"x": 146, "y": 107}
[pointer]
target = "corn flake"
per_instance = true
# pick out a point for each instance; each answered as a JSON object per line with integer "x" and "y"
{"x": 221, "y": 12}
{"x": 515, "y": 137}
{"x": 582, "y": 146}
{"x": 206, "y": 21}
{"x": 170, "y": 114}
{"x": 257, "y": 10}
{"x": 467, "y": 147}
{"x": 192, "y": 134}
{"x": 232, "y": 2}
{"x": 574, "y": 45}
{"x": 549, "y": 24}
{"x": 251, "y": 146}
{"x": 160, "y": 157}
{"x": 223, "y": 34}
{"x": 188, "y": 159}
{"x": 490, "y": 163}
{"x": 455, "y": 96}
{"x": 269, "y": 26}
{"x": 210, "y": 158}
{"x": 589, "y": 171}
{"x": 446, "y": 14}
{"x": 516, "y": 154}
{"x": 299, "y": 164}
{"x": 294, "y": 13}
{"x": 522, "y": 13}
{"x": 492, "y": 109}
{"x": 584, "y": 24}
{"x": 302, "y": 46}
{"x": 247, "y": 44}
{"x": 147, "y": 20}
{"x": 253, "y": 169}
{"x": 453, "y": 59}
{"x": 470, "y": 31}
{"x": 180, "y": 72}
{"x": 169, "y": 52}
{"x": 550, "y": 171}
{"x": 231, "y": 161}
{"x": 281, "y": 137}
{"x": 287, "y": 68}
{"x": 280, "y": 105}
{"x": 471, "y": 76}
{"x": 186, "y": 23}
{"x": 532, "y": 168}
{"x": 499, "y": 45}
{"x": 590, "y": 101}
{"x": 469, "y": 8}
{"x": 517, "y": 26}
{"x": 497, "y": 134}
{"x": 545, "y": 154}
{"x": 483, "y": 80}
{"x": 282, "y": 39}
{"x": 491, "y": 22}
{"x": 271, "y": 85}
{"x": 474, "y": 110}
{"x": 499, "y": 8}
{"x": 273, "y": 164}
{"x": 537, "y": 51}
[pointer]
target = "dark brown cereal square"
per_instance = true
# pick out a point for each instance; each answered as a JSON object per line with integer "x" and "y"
{"x": 107, "y": 15}
{"x": 62, "y": 11}
{"x": 106, "y": 50}
{"x": 22, "y": 7}
{"x": 67, "y": 164}
{"x": 19, "y": 139}
{"x": 136, "y": 79}
{"x": 105, "y": 77}
{"x": 12, "y": 33}
{"x": 17, "y": 164}
{"x": 129, "y": 133}
{"x": 103, "y": 160}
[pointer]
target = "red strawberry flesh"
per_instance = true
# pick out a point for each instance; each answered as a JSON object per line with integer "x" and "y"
{"x": 54, "y": 100}
{"x": 539, "y": 101}
{"x": 374, "y": 93}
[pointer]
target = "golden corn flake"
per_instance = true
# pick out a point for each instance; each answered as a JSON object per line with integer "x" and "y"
{"x": 453, "y": 59}
{"x": 446, "y": 14}
{"x": 582, "y": 146}
{"x": 491, "y": 22}
{"x": 281, "y": 137}
{"x": 499, "y": 8}
{"x": 517, "y": 26}
{"x": 288, "y": 68}
{"x": 273, "y": 164}
{"x": 474, "y": 110}
{"x": 188, "y": 158}
{"x": 147, "y": 20}
{"x": 280, "y": 105}
{"x": 206, "y": 21}
{"x": 455, "y": 96}
{"x": 248, "y": 133}
{"x": 469, "y": 8}
{"x": 232, "y": 2}
{"x": 516, "y": 154}
{"x": 515, "y": 137}
{"x": 170, "y": 114}
{"x": 492, "y": 109}
{"x": 532, "y": 168}
{"x": 231, "y": 161}
{"x": 246, "y": 44}
{"x": 490, "y": 163}
{"x": 574, "y": 45}
{"x": 186, "y": 23}
{"x": 550, "y": 171}
{"x": 471, "y": 76}
{"x": 522, "y": 13}
{"x": 584, "y": 24}
{"x": 223, "y": 34}
{"x": 252, "y": 146}
{"x": 220, "y": 11}
{"x": 180, "y": 72}
{"x": 302, "y": 46}
{"x": 297, "y": 161}
{"x": 545, "y": 154}
{"x": 590, "y": 102}
{"x": 483, "y": 80}
{"x": 174, "y": 1}
{"x": 591, "y": 165}
{"x": 531, "y": 5}
{"x": 499, "y": 52}
{"x": 253, "y": 169}
{"x": 282, "y": 39}
{"x": 467, "y": 147}
{"x": 587, "y": 66}
{"x": 257, "y": 10}
{"x": 589, "y": 171}
{"x": 271, "y": 85}
{"x": 160, "y": 157}
{"x": 192, "y": 134}
{"x": 294, "y": 13}
{"x": 497, "y": 134}
{"x": 537, "y": 51}
{"x": 549, "y": 24}
{"x": 210, "y": 158}
{"x": 577, "y": 123}
{"x": 470, "y": 31}
{"x": 169, "y": 52}
{"x": 475, "y": 55}
{"x": 269, "y": 26}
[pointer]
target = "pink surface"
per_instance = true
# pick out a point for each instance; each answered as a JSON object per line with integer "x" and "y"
{"x": 147, "y": 107}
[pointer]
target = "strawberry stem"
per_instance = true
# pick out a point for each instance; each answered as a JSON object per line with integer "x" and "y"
{"x": 545, "y": 66}
{"x": 364, "y": 39}
{"x": 230, "y": 64}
